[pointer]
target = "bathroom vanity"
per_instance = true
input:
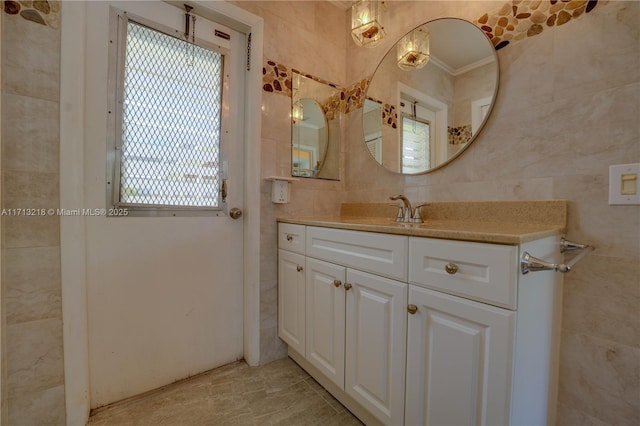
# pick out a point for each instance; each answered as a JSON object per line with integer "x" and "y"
{"x": 426, "y": 324}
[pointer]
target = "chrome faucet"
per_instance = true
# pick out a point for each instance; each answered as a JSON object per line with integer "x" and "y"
{"x": 407, "y": 213}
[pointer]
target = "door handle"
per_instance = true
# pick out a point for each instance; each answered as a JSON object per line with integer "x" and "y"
{"x": 235, "y": 213}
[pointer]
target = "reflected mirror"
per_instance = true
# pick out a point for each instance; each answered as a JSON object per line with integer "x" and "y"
{"x": 315, "y": 129}
{"x": 430, "y": 96}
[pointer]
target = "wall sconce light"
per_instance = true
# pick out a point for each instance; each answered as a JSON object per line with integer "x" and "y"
{"x": 413, "y": 50}
{"x": 297, "y": 112}
{"x": 366, "y": 22}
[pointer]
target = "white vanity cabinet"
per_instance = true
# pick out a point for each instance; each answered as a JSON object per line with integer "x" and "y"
{"x": 325, "y": 318}
{"x": 422, "y": 331}
{"x": 355, "y": 320}
{"x": 291, "y": 285}
{"x": 482, "y": 340}
{"x": 459, "y": 356}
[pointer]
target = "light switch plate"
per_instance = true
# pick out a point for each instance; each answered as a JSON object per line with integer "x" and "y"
{"x": 629, "y": 174}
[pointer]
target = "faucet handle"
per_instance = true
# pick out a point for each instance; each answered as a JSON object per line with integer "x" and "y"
{"x": 417, "y": 218}
{"x": 400, "y": 214}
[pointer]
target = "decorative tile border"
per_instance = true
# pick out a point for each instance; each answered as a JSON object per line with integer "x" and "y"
{"x": 455, "y": 135}
{"x": 518, "y": 19}
{"x": 277, "y": 78}
{"x": 355, "y": 95}
{"x": 459, "y": 135}
{"x": 514, "y": 21}
{"x": 43, "y": 12}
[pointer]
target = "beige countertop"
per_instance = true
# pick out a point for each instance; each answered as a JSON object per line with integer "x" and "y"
{"x": 512, "y": 222}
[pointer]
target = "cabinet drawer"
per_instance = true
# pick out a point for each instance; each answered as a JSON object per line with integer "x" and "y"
{"x": 483, "y": 272}
{"x": 291, "y": 237}
{"x": 380, "y": 254}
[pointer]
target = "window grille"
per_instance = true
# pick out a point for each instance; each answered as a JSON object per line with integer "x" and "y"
{"x": 168, "y": 146}
{"x": 415, "y": 145}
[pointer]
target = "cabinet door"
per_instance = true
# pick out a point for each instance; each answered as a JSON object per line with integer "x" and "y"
{"x": 459, "y": 361}
{"x": 376, "y": 344}
{"x": 291, "y": 299}
{"x": 325, "y": 318}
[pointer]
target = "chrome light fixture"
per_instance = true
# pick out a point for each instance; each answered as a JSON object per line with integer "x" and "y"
{"x": 366, "y": 22}
{"x": 413, "y": 50}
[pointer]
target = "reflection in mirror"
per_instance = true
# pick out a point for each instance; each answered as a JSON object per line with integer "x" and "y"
{"x": 315, "y": 129}
{"x": 420, "y": 114}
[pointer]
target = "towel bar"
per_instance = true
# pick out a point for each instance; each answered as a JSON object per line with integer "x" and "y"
{"x": 529, "y": 263}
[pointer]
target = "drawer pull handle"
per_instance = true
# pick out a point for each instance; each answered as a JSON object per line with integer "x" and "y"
{"x": 347, "y": 286}
{"x": 451, "y": 268}
{"x": 289, "y": 237}
{"x": 337, "y": 283}
{"x": 412, "y": 309}
{"x": 299, "y": 268}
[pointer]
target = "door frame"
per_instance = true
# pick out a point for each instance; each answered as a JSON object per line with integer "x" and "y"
{"x": 72, "y": 229}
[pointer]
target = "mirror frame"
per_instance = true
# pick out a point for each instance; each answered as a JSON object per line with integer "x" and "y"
{"x": 392, "y": 53}
{"x": 331, "y": 108}
{"x": 296, "y": 145}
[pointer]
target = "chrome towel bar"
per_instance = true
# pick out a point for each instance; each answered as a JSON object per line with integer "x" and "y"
{"x": 529, "y": 263}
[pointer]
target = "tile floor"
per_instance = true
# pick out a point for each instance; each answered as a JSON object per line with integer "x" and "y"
{"x": 279, "y": 393}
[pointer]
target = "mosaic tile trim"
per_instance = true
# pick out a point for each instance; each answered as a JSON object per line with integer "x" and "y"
{"x": 43, "y": 12}
{"x": 455, "y": 135}
{"x": 518, "y": 19}
{"x": 354, "y": 97}
{"x": 459, "y": 135}
{"x": 333, "y": 106}
{"x": 514, "y": 21}
{"x": 277, "y": 78}
{"x": 389, "y": 114}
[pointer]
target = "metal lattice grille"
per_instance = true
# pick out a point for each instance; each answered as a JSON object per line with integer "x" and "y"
{"x": 170, "y": 151}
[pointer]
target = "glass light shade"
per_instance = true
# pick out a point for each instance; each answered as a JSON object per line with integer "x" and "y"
{"x": 297, "y": 112}
{"x": 413, "y": 50}
{"x": 366, "y": 22}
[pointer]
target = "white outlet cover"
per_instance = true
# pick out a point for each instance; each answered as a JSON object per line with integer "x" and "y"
{"x": 615, "y": 184}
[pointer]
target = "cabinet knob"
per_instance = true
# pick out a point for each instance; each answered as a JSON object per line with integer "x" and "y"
{"x": 289, "y": 237}
{"x": 337, "y": 283}
{"x": 412, "y": 309}
{"x": 347, "y": 286}
{"x": 451, "y": 268}
{"x": 299, "y": 268}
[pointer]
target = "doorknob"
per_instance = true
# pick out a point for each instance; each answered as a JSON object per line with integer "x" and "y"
{"x": 235, "y": 213}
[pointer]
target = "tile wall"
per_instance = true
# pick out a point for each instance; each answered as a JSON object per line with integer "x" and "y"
{"x": 567, "y": 108}
{"x": 31, "y": 249}
{"x": 319, "y": 31}
{"x": 570, "y": 89}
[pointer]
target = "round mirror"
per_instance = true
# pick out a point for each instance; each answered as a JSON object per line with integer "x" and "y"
{"x": 430, "y": 96}
{"x": 316, "y": 129}
{"x": 310, "y": 136}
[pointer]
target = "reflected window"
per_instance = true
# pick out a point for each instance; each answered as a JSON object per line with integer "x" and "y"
{"x": 415, "y": 145}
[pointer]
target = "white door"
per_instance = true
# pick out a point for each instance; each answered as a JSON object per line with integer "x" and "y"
{"x": 459, "y": 358}
{"x": 164, "y": 294}
{"x": 291, "y": 299}
{"x": 376, "y": 344}
{"x": 325, "y": 318}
